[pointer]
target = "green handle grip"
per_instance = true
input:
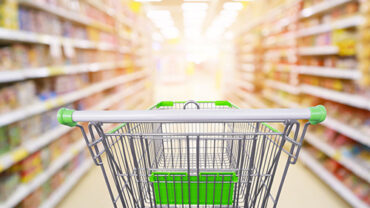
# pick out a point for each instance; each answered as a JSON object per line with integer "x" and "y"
{"x": 65, "y": 117}
{"x": 318, "y": 114}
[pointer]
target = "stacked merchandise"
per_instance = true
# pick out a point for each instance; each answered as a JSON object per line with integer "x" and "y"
{"x": 313, "y": 55}
{"x": 364, "y": 52}
{"x": 60, "y": 54}
{"x": 249, "y": 70}
{"x": 280, "y": 55}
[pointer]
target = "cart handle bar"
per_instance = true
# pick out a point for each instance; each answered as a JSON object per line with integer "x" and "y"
{"x": 70, "y": 117}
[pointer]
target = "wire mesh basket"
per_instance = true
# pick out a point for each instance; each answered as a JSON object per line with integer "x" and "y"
{"x": 200, "y": 154}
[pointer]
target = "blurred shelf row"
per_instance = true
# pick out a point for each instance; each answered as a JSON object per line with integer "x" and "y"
{"x": 81, "y": 54}
{"x": 315, "y": 52}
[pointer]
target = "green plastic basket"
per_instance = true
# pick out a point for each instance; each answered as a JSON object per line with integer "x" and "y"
{"x": 214, "y": 188}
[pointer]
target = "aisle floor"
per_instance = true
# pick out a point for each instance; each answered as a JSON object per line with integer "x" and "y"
{"x": 301, "y": 189}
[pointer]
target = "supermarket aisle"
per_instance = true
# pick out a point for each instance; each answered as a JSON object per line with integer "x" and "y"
{"x": 301, "y": 189}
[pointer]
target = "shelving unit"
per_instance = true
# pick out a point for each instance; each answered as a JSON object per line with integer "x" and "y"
{"x": 330, "y": 180}
{"x": 296, "y": 74}
{"x": 25, "y": 189}
{"x": 125, "y": 79}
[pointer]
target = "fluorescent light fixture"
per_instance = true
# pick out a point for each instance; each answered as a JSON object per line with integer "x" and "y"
{"x": 155, "y": 14}
{"x": 170, "y": 32}
{"x": 164, "y": 24}
{"x": 195, "y": 14}
{"x": 147, "y": 0}
{"x": 233, "y": 6}
{"x": 229, "y": 13}
{"x": 194, "y": 6}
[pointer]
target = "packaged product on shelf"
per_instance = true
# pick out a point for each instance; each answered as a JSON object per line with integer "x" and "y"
{"x": 26, "y": 93}
{"x": 9, "y": 14}
{"x": 17, "y": 96}
{"x": 31, "y": 167}
{"x": 9, "y": 181}
{"x": 14, "y": 135}
{"x": 6, "y": 59}
{"x": 31, "y": 128}
{"x": 55, "y": 148}
{"x": 4, "y": 142}
{"x": 57, "y": 180}
{"x": 8, "y": 99}
{"x": 45, "y": 157}
{"x": 33, "y": 200}
{"x": 46, "y": 189}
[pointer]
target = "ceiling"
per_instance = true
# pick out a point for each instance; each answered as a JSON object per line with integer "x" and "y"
{"x": 191, "y": 20}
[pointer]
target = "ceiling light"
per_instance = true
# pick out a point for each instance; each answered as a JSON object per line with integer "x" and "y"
{"x": 155, "y": 14}
{"x": 170, "y": 33}
{"x": 194, "y": 6}
{"x": 233, "y": 6}
{"x": 195, "y": 14}
{"x": 148, "y": 0}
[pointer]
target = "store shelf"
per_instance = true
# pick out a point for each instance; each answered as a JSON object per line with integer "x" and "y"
{"x": 30, "y": 37}
{"x": 237, "y": 101}
{"x": 348, "y": 22}
{"x": 353, "y": 74}
{"x": 331, "y": 180}
{"x": 322, "y": 7}
{"x": 33, "y": 145}
{"x": 251, "y": 99}
{"x": 63, "y": 190}
{"x": 277, "y": 99}
{"x": 351, "y": 163}
{"x": 25, "y": 189}
{"x": 318, "y": 50}
{"x": 40, "y": 107}
{"x": 102, "y": 7}
{"x": 18, "y": 154}
{"x": 283, "y": 86}
{"x": 352, "y": 132}
{"x": 285, "y": 67}
{"x": 60, "y": 12}
{"x": 248, "y": 58}
{"x": 247, "y": 67}
{"x": 31, "y": 73}
{"x": 246, "y": 85}
{"x": 340, "y": 97}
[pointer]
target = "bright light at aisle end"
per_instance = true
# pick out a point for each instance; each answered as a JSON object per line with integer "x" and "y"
{"x": 194, "y": 6}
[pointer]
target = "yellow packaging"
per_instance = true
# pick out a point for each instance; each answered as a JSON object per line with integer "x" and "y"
{"x": 9, "y": 14}
{"x": 92, "y": 34}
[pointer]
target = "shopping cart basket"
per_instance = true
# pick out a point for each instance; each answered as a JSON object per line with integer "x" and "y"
{"x": 194, "y": 154}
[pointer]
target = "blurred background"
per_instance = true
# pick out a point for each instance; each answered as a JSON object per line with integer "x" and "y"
{"x": 129, "y": 54}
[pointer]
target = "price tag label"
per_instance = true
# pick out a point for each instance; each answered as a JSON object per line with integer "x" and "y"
{"x": 60, "y": 101}
{"x": 19, "y": 154}
{"x": 56, "y": 70}
{"x": 49, "y": 105}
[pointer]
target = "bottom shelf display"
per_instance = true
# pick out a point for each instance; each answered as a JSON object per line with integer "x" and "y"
{"x": 347, "y": 185}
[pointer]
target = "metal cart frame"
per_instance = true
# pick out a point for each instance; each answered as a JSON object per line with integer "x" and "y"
{"x": 194, "y": 154}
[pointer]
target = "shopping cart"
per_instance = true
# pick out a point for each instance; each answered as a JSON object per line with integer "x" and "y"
{"x": 194, "y": 154}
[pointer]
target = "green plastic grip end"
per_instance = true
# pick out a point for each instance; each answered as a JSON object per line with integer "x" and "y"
{"x": 65, "y": 117}
{"x": 318, "y": 114}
